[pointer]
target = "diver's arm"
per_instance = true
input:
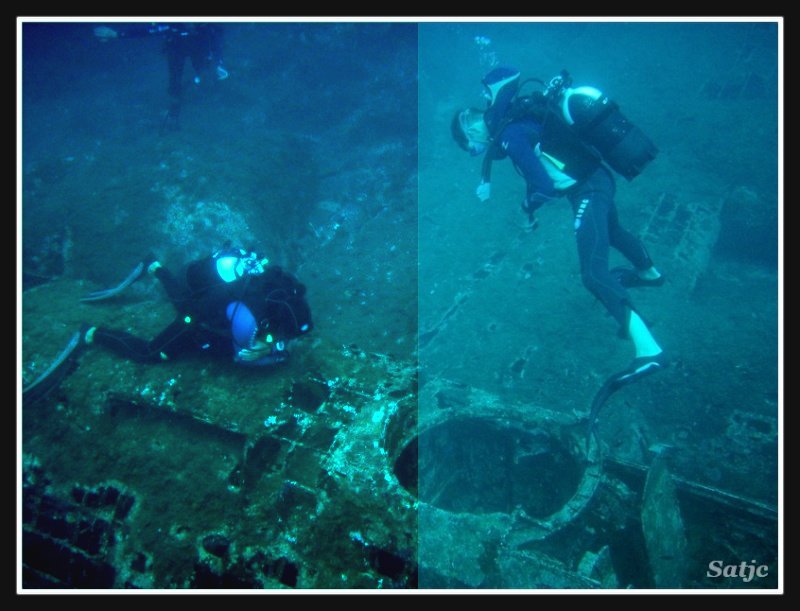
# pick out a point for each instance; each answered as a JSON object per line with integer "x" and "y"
{"x": 484, "y": 190}
{"x": 486, "y": 166}
{"x": 248, "y": 347}
{"x": 516, "y": 142}
{"x": 493, "y": 152}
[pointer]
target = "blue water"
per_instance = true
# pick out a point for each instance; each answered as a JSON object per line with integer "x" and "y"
{"x": 328, "y": 149}
{"x": 503, "y": 309}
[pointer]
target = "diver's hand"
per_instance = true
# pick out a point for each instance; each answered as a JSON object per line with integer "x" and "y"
{"x": 261, "y": 350}
{"x": 530, "y": 210}
{"x": 484, "y": 191}
{"x": 260, "y": 356}
{"x": 105, "y": 34}
{"x": 248, "y": 356}
{"x": 222, "y": 74}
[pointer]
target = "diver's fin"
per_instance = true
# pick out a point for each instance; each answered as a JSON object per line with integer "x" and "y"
{"x": 137, "y": 273}
{"x": 609, "y": 387}
{"x": 640, "y": 367}
{"x": 53, "y": 375}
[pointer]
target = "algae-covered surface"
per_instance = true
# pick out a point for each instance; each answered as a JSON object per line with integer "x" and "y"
{"x": 295, "y": 464}
{"x": 431, "y": 430}
{"x": 198, "y": 473}
{"x": 503, "y": 308}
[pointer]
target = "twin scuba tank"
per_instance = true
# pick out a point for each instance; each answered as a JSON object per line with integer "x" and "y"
{"x": 598, "y": 122}
{"x": 223, "y": 268}
{"x": 233, "y": 264}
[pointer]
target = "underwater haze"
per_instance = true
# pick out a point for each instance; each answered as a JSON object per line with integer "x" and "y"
{"x": 196, "y": 472}
{"x": 301, "y": 147}
{"x": 514, "y": 348}
{"x": 454, "y": 418}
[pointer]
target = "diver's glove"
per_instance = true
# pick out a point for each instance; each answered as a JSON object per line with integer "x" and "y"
{"x": 484, "y": 191}
{"x": 247, "y": 355}
{"x": 261, "y": 354}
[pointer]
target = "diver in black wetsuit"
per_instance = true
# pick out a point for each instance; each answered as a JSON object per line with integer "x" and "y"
{"x": 201, "y": 43}
{"x": 231, "y": 304}
{"x": 553, "y": 156}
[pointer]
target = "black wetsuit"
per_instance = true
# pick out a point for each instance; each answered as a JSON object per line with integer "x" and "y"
{"x": 220, "y": 317}
{"x": 179, "y": 337}
{"x": 596, "y": 229}
{"x": 555, "y": 165}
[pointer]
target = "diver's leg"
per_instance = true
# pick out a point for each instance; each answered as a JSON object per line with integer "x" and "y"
{"x": 178, "y": 293}
{"x": 592, "y": 236}
{"x": 170, "y": 342}
{"x": 634, "y": 250}
{"x": 591, "y": 204}
{"x": 625, "y": 242}
{"x": 200, "y": 56}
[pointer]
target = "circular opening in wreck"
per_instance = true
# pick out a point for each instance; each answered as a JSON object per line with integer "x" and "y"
{"x": 485, "y": 466}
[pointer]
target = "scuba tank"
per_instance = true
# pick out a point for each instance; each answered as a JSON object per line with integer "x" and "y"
{"x": 559, "y": 142}
{"x": 215, "y": 281}
{"x": 224, "y": 267}
{"x": 599, "y": 123}
{"x": 232, "y": 264}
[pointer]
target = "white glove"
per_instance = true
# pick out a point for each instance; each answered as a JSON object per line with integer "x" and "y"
{"x": 484, "y": 191}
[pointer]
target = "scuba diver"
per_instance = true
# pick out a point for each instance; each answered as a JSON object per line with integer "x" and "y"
{"x": 231, "y": 304}
{"x": 562, "y": 141}
{"x": 201, "y": 43}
